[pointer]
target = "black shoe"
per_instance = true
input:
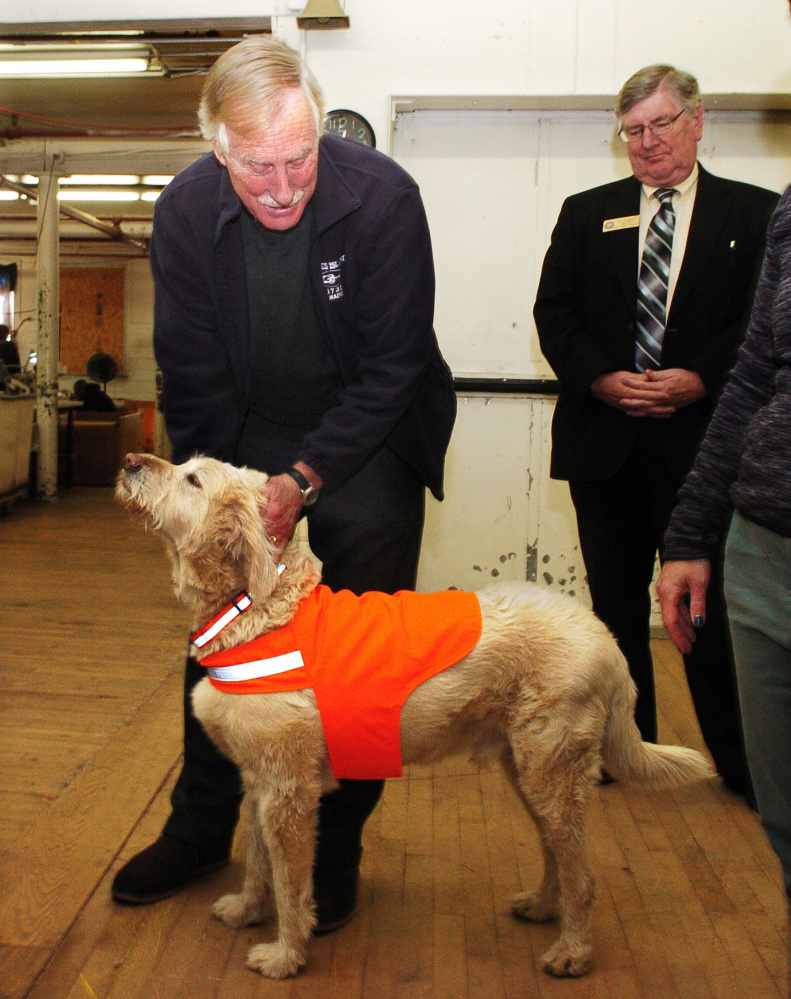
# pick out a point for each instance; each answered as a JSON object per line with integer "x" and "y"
{"x": 335, "y": 895}
{"x": 162, "y": 870}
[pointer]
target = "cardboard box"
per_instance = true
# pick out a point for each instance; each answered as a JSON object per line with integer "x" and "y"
{"x": 101, "y": 441}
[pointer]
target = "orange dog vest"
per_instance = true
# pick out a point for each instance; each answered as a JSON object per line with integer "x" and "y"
{"x": 362, "y": 656}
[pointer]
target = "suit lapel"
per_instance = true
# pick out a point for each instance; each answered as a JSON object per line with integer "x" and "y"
{"x": 622, "y": 245}
{"x": 709, "y": 214}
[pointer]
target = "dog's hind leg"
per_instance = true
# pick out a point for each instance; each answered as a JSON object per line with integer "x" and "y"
{"x": 288, "y": 821}
{"x": 542, "y": 905}
{"x": 255, "y": 903}
{"x": 554, "y": 778}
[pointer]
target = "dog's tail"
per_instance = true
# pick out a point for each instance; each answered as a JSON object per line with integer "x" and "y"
{"x": 626, "y": 757}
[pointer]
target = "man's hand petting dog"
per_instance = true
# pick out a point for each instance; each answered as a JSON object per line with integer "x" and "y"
{"x": 284, "y": 507}
{"x": 282, "y": 511}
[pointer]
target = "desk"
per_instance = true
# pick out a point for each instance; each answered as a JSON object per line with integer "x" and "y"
{"x": 66, "y": 447}
{"x": 16, "y": 433}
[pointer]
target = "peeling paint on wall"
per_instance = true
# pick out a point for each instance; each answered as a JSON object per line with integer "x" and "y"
{"x": 567, "y": 575}
{"x": 531, "y": 568}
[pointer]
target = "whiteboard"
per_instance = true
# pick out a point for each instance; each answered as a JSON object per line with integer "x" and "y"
{"x": 493, "y": 183}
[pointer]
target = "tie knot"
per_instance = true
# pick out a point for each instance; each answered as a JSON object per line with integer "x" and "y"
{"x": 665, "y": 194}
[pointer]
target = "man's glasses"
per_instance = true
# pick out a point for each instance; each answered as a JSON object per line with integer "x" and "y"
{"x": 634, "y": 133}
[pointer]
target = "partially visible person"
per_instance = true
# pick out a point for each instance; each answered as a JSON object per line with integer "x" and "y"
{"x": 294, "y": 302}
{"x": 740, "y": 488}
{"x": 93, "y": 397}
{"x": 644, "y": 298}
{"x": 9, "y": 354}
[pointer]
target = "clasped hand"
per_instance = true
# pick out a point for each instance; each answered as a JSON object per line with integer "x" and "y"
{"x": 655, "y": 393}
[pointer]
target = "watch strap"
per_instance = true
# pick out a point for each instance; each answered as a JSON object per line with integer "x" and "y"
{"x": 309, "y": 491}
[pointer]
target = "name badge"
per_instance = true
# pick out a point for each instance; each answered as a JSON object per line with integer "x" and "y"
{"x": 627, "y": 222}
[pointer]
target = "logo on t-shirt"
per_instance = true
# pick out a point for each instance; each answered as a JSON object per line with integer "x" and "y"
{"x": 331, "y": 277}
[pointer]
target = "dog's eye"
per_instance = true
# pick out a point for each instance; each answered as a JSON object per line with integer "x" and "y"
{"x": 193, "y": 480}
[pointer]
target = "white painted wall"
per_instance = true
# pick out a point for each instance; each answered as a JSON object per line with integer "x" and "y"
{"x": 535, "y": 47}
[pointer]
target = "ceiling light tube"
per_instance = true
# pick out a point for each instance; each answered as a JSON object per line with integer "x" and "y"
{"x": 82, "y": 195}
{"x": 101, "y": 179}
{"x": 43, "y": 68}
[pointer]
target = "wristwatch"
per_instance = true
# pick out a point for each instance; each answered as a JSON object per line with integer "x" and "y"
{"x": 309, "y": 492}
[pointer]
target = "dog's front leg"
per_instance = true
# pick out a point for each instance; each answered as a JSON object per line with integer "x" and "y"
{"x": 254, "y": 904}
{"x": 288, "y": 821}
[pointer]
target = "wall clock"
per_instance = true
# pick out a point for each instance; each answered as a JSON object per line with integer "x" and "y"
{"x": 350, "y": 125}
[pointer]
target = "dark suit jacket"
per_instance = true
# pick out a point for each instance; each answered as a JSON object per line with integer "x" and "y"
{"x": 585, "y": 315}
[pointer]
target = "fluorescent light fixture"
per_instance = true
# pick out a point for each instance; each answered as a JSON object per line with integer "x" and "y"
{"x": 43, "y": 68}
{"x": 6, "y": 195}
{"x": 41, "y": 60}
{"x": 150, "y": 195}
{"x": 84, "y": 195}
{"x": 157, "y": 179}
{"x": 98, "y": 179}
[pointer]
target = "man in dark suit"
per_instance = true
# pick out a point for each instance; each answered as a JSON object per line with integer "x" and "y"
{"x": 640, "y": 369}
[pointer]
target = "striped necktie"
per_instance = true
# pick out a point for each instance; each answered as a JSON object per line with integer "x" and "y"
{"x": 652, "y": 283}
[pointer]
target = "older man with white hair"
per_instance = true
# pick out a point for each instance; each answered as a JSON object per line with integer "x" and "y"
{"x": 293, "y": 327}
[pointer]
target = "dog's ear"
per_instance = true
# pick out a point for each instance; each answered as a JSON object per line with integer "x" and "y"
{"x": 239, "y": 525}
{"x": 225, "y": 551}
{"x": 235, "y": 523}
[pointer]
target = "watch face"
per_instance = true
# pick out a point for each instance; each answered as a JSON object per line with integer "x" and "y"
{"x": 350, "y": 125}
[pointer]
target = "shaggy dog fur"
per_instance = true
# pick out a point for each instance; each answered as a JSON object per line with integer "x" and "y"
{"x": 546, "y": 690}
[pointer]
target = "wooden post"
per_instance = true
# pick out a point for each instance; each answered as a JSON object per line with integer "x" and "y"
{"x": 48, "y": 276}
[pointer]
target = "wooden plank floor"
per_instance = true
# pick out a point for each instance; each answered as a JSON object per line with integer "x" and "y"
{"x": 689, "y": 900}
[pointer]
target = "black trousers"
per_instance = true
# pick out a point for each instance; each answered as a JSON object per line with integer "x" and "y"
{"x": 621, "y": 523}
{"x": 367, "y": 534}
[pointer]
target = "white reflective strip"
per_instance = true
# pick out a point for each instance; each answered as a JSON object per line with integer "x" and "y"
{"x": 261, "y": 667}
{"x": 233, "y": 611}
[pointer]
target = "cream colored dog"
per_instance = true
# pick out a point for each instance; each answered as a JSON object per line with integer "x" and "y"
{"x": 545, "y": 689}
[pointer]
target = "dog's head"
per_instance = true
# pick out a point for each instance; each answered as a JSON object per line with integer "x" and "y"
{"x": 212, "y": 517}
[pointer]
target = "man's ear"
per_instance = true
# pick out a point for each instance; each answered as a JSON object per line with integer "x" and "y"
{"x": 697, "y": 119}
{"x": 220, "y": 156}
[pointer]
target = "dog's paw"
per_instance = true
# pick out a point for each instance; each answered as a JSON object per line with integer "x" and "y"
{"x": 237, "y": 910}
{"x": 275, "y": 960}
{"x": 531, "y": 906}
{"x": 564, "y": 961}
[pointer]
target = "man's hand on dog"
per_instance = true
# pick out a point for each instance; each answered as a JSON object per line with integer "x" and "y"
{"x": 285, "y": 505}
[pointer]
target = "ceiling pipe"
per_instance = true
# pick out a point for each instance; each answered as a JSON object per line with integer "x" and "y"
{"x": 108, "y": 228}
{"x": 23, "y": 227}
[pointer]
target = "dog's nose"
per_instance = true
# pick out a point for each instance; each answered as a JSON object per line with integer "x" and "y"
{"x": 133, "y": 463}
